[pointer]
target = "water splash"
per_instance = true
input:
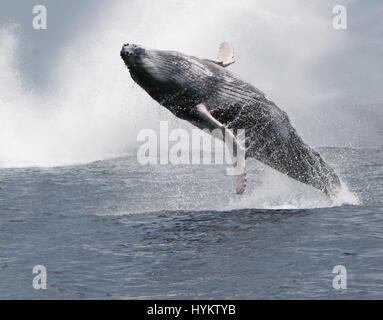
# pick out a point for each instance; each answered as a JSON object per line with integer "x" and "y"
{"x": 277, "y": 191}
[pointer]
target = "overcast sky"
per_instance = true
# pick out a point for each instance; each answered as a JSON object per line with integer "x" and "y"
{"x": 324, "y": 78}
{"x": 354, "y": 65}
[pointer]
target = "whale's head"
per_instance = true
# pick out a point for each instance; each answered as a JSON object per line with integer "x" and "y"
{"x": 144, "y": 64}
{"x": 163, "y": 73}
{"x": 133, "y": 55}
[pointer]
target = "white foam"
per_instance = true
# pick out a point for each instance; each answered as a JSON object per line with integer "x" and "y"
{"x": 277, "y": 191}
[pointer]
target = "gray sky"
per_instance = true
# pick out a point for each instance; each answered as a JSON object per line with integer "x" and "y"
{"x": 329, "y": 81}
{"x": 354, "y": 65}
{"x": 65, "y": 18}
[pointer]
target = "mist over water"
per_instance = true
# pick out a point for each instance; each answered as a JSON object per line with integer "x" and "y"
{"x": 90, "y": 109}
{"x": 88, "y": 113}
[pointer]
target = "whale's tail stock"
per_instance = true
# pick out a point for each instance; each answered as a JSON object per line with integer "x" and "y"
{"x": 307, "y": 166}
{"x": 272, "y": 140}
{"x": 296, "y": 159}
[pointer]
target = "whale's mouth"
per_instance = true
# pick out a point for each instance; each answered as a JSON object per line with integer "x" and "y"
{"x": 132, "y": 49}
{"x": 128, "y": 56}
{"x": 126, "y": 51}
{"x": 131, "y": 54}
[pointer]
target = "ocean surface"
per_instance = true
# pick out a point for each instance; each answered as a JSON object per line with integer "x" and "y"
{"x": 114, "y": 229}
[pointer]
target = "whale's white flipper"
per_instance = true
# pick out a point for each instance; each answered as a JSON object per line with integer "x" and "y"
{"x": 237, "y": 151}
{"x": 226, "y": 54}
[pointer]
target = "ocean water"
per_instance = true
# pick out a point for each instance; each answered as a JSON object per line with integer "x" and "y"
{"x": 114, "y": 229}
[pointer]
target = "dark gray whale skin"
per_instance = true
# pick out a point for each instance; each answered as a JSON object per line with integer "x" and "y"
{"x": 180, "y": 82}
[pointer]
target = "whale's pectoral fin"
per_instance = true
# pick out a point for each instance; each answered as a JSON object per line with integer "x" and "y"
{"x": 226, "y": 54}
{"x": 237, "y": 151}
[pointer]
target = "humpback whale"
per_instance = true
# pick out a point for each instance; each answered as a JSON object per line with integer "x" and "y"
{"x": 204, "y": 93}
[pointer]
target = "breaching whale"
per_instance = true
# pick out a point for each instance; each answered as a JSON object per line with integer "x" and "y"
{"x": 205, "y": 93}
